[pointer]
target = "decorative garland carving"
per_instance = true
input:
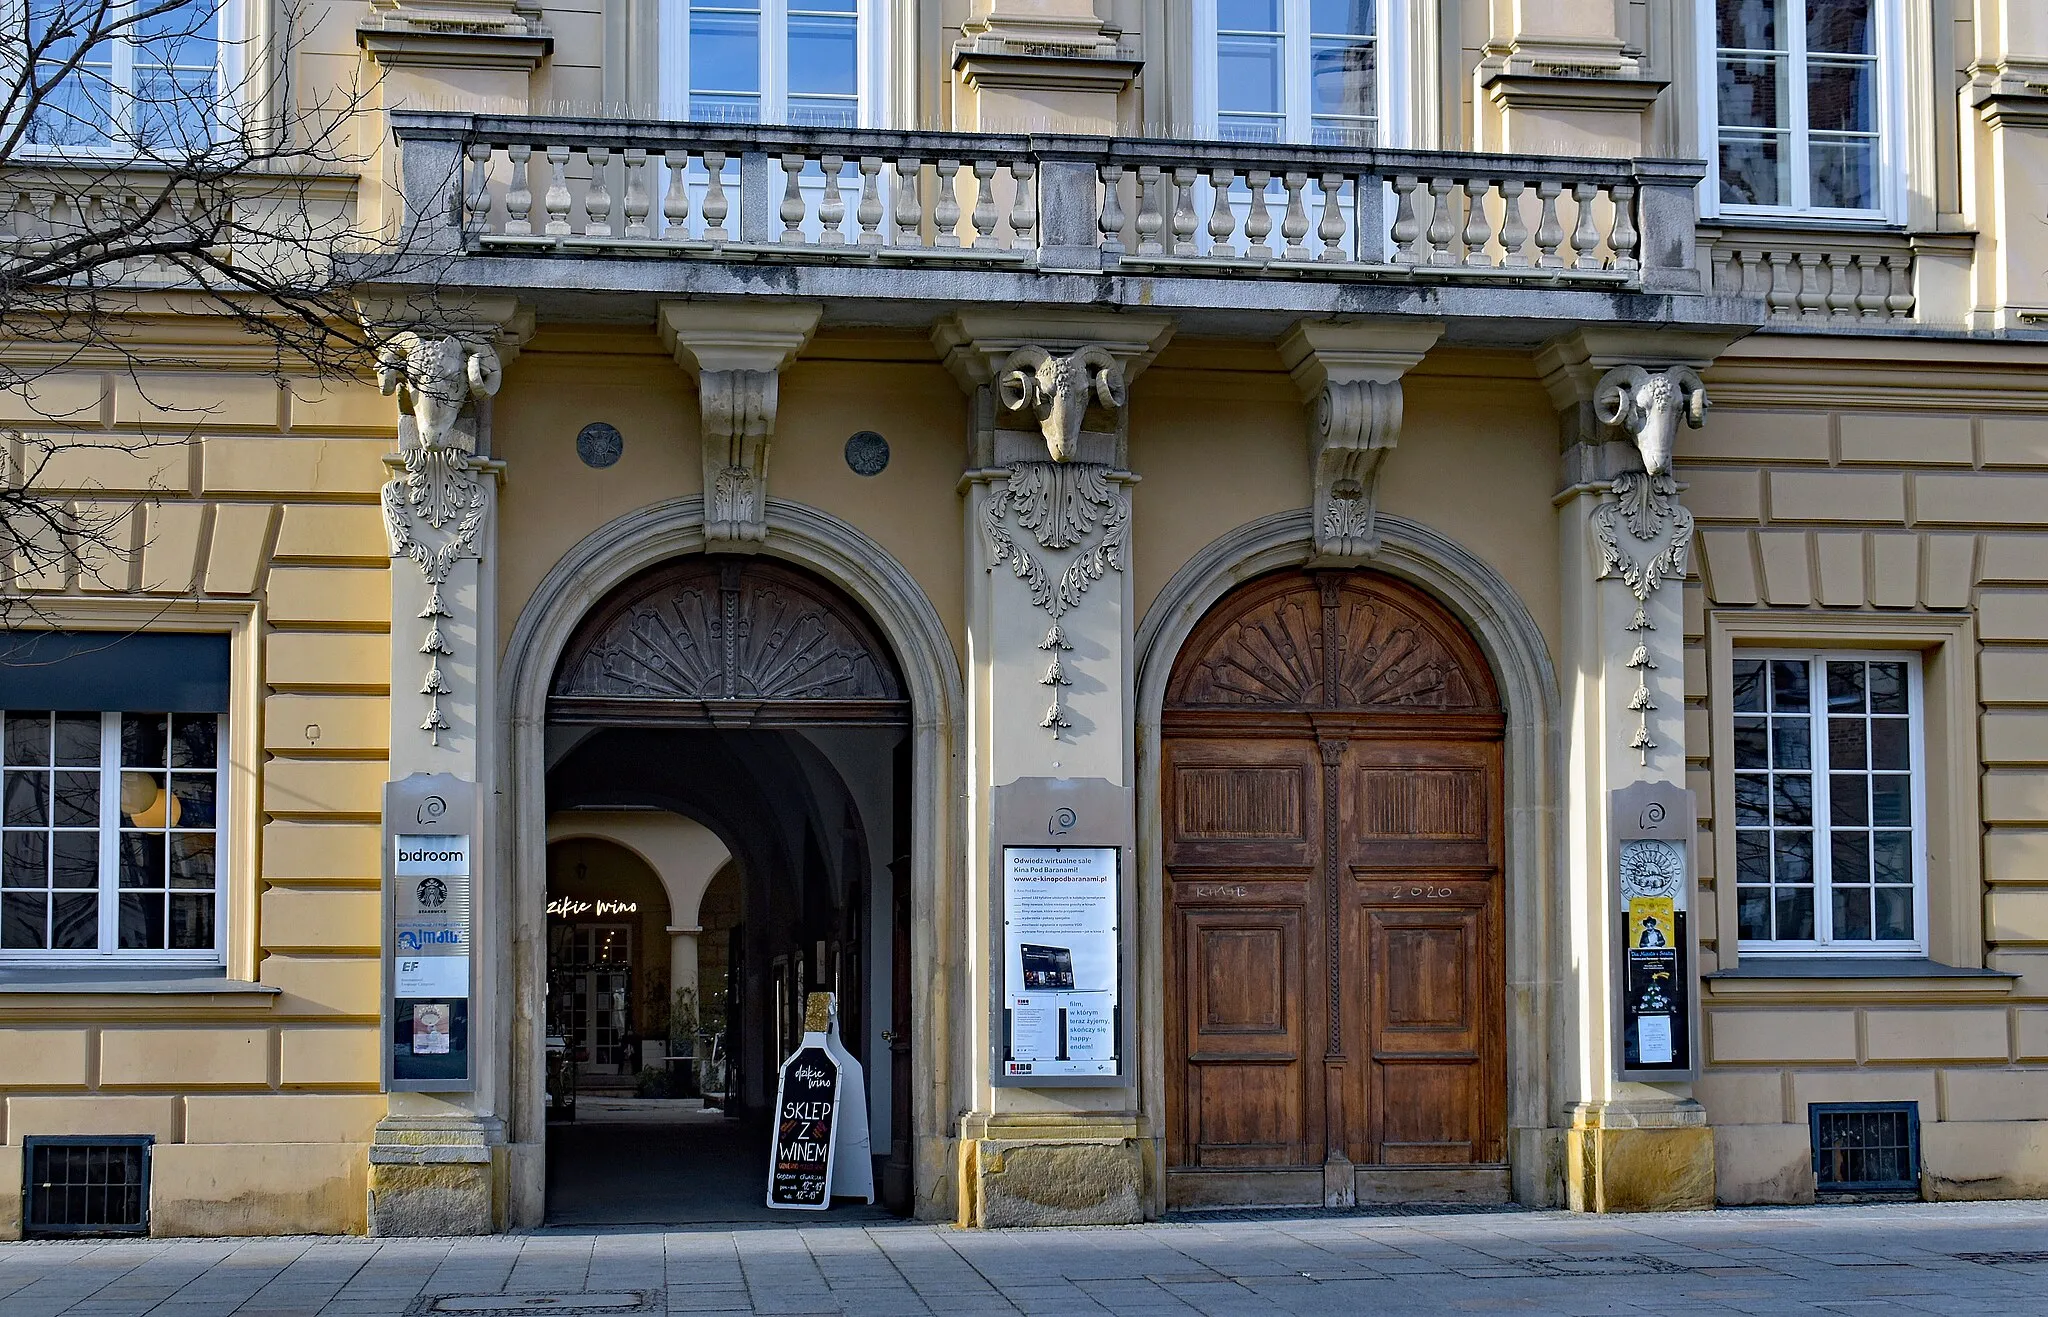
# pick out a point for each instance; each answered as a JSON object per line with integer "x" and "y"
{"x": 1645, "y": 534}
{"x": 1352, "y": 427}
{"x": 738, "y": 409}
{"x": 432, "y": 513}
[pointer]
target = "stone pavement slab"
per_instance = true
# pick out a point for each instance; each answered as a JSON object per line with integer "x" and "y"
{"x": 1893, "y": 1260}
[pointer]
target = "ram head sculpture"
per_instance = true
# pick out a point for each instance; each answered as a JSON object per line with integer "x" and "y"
{"x": 1649, "y": 406}
{"x": 1059, "y": 390}
{"x": 438, "y": 376}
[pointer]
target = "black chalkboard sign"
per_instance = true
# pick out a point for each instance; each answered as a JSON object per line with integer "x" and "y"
{"x": 806, "y": 1122}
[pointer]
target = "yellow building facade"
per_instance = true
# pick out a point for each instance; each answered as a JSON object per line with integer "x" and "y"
{"x": 1347, "y": 464}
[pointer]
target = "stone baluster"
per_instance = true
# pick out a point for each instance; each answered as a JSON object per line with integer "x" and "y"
{"x": 556, "y": 202}
{"x": 638, "y": 200}
{"x": 597, "y": 197}
{"x": 946, "y": 213}
{"x": 1624, "y": 238}
{"x": 1150, "y": 218}
{"x": 1514, "y": 231}
{"x": 716, "y": 207}
{"x": 1112, "y": 223}
{"x": 476, "y": 199}
{"x": 1294, "y": 223}
{"x": 1813, "y": 299}
{"x": 909, "y": 205}
{"x": 1549, "y": 232}
{"x": 1443, "y": 228}
{"x": 675, "y": 203}
{"x": 1900, "y": 302}
{"x": 1023, "y": 206}
{"x": 832, "y": 205}
{"x": 1783, "y": 297}
{"x": 1259, "y": 223}
{"x": 519, "y": 191}
{"x": 868, "y": 213}
{"x": 1222, "y": 215}
{"x": 984, "y": 216}
{"x": 1585, "y": 235}
{"x": 1477, "y": 228}
{"x": 1407, "y": 229}
{"x": 1184, "y": 220}
{"x": 1331, "y": 227}
{"x": 1872, "y": 284}
{"x": 792, "y": 209}
{"x": 1841, "y": 285}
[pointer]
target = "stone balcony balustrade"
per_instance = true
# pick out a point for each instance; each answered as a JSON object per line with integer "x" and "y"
{"x": 571, "y": 209}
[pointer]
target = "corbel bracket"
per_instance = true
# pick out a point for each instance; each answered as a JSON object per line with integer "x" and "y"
{"x": 736, "y": 354}
{"x": 1349, "y": 377}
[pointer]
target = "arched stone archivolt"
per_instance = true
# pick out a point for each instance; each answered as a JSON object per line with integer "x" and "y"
{"x": 907, "y": 628}
{"x": 1540, "y": 1052}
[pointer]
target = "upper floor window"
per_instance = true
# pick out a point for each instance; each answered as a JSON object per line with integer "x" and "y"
{"x": 143, "y": 77}
{"x": 1829, "y": 821}
{"x": 1800, "y": 107}
{"x": 765, "y": 61}
{"x": 1291, "y": 71}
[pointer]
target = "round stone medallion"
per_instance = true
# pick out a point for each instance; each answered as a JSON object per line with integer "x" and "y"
{"x": 867, "y": 453}
{"x": 599, "y": 445}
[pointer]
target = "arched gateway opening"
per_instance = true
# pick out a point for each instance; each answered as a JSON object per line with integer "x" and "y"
{"x": 1332, "y": 826}
{"x": 731, "y": 734}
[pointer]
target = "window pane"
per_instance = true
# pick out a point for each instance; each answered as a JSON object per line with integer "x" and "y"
{"x": 1849, "y": 800}
{"x": 1749, "y": 685}
{"x": 1754, "y": 171}
{"x": 1353, "y": 17}
{"x": 144, "y": 802}
{"x": 1888, "y": 688}
{"x": 78, "y": 740}
{"x": 1248, "y": 15}
{"x": 1840, "y": 26}
{"x": 1794, "y": 857}
{"x": 1788, "y": 685}
{"x": 1752, "y": 743}
{"x": 725, "y": 51}
{"x": 1891, "y": 856}
{"x": 192, "y": 800}
{"x": 1849, "y": 853}
{"x": 1752, "y": 93}
{"x": 1889, "y": 744}
{"x": 822, "y": 58}
{"x": 74, "y": 921}
{"x": 1894, "y": 911}
{"x": 726, "y": 108}
{"x": 75, "y": 800}
{"x": 1791, "y": 743}
{"x": 1752, "y": 800}
{"x": 192, "y": 859}
{"x": 24, "y": 921}
{"x": 145, "y": 739}
{"x": 196, "y": 741}
{"x": 1891, "y": 800}
{"x": 1842, "y": 97}
{"x": 1845, "y": 174}
{"x": 1752, "y": 857}
{"x": 1846, "y": 743}
{"x": 1248, "y": 76}
{"x": 142, "y": 859}
{"x": 79, "y": 111}
{"x": 28, "y": 800}
{"x": 1754, "y": 913}
{"x": 28, "y": 738}
{"x": 1852, "y": 914}
{"x": 1341, "y": 78}
{"x": 1794, "y": 914}
{"x": 1845, "y": 687}
{"x": 75, "y": 859}
{"x": 1752, "y": 24}
{"x": 823, "y": 112}
{"x": 142, "y": 921}
{"x": 1792, "y": 800}
{"x": 191, "y": 922}
{"x": 25, "y": 860}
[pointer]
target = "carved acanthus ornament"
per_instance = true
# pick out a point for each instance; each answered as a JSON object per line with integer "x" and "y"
{"x": 738, "y": 408}
{"x": 1353, "y": 425}
{"x": 433, "y": 511}
{"x": 1645, "y": 534}
{"x": 1077, "y": 509}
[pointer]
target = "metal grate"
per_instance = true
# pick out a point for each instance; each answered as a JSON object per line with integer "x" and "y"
{"x": 86, "y": 1185}
{"x": 1865, "y": 1147}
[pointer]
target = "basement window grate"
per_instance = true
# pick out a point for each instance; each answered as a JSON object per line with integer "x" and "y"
{"x": 1866, "y": 1147}
{"x": 85, "y": 1185}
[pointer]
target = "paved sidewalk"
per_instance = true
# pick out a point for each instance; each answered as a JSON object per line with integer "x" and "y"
{"x": 1984, "y": 1259}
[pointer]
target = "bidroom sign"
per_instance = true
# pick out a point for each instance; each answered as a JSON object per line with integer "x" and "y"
{"x": 429, "y": 965}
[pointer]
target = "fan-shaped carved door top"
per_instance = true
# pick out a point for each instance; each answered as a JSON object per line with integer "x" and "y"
{"x": 1332, "y": 642}
{"x": 726, "y": 641}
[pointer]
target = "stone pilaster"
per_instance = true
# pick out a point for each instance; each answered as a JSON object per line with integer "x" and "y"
{"x": 2008, "y": 92}
{"x": 736, "y": 352}
{"x": 1625, "y": 538}
{"x": 434, "y": 1159}
{"x": 1050, "y": 673}
{"x": 1349, "y": 376}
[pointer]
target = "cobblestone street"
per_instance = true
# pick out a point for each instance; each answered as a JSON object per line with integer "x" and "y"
{"x": 1987, "y": 1259}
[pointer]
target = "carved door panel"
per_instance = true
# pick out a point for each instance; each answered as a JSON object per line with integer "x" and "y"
{"x": 1242, "y": 818}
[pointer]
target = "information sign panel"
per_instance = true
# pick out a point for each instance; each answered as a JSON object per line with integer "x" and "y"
{"x": 1657, "y": 1014}
{"x": 1061, "y": 970}
{"x": 429, "y": 881}
{"x": 806, "y": 1130}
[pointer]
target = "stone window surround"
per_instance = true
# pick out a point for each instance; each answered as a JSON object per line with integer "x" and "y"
{"x": 1947, "y": 647}
{"x": 1906, "y": 150}
{"x": 239, "y": 820}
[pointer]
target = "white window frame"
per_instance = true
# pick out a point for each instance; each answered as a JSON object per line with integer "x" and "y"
{"x": 231, "y": 39}
{"x": 110, "y": 951}
{"x": 672, "y": 79}
{"x": 1891, "y": 123}
{"x": 1823, "y": 858}
{"x": 1391, "y": 76}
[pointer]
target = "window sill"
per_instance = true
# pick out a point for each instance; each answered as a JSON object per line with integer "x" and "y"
{"x": 110, "y": 992}
{"x": 1853, "y": 977}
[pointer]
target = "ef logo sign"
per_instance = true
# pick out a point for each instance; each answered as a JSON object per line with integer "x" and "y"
{"x": 1061, "y": 823}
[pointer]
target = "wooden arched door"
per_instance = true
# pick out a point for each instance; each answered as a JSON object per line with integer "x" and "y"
{"x": 1331, "y": 807}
